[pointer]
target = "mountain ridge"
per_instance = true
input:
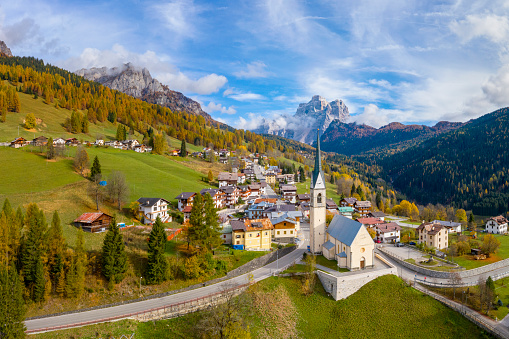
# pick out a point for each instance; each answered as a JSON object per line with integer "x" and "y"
{"x": 138, "y": 82}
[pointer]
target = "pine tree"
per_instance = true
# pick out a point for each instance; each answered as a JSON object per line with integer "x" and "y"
{"x": 156, "y": 265}
{"x": 16, "y": 103}
{"x": 353, "y": 190}
{"x": 12, "y": 315}
{"x": 196, "y": 220}
{"x": 120, "y": 132}
{"x": 81, "y": 263}
{"x": 75, "y": 122}
{"x": 56, "y": 249}
{"x": 183, "y": 148}
{"x": 50, "y": 152}
{"x": 7, "y": 208}
{"x": 114, "y": 263}
{"x": 71, "y": 279}
{"x": 39, "y": 285}
{"x": 211, "y": 232}
{"x": 96, "y": 168}
{"x": 84, "y": 124}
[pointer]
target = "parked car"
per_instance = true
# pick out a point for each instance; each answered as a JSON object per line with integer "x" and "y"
{"x": 412, "y": 243}
{"x": 399, "y": 244}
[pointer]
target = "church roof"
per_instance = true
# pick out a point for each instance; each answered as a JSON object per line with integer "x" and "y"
{"x": 342, "y": 255}
{"x": 328, "y": 245}
{"x": 343, "y": 229}
{"x": 317, "y": 171}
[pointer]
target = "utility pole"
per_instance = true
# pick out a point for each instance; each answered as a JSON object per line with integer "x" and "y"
{"x": 140, "y": 284}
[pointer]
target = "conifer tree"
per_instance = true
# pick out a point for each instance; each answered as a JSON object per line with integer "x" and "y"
{"x": 84, "y": 124}
{"x": 120, "y": 132}
{"x": 96, "y": 168}
{"x": 50, "y": 152}
{"x": 212, "y": 236}
{"x": 39, "y": 285}
{"x": 4, "y": 240}
{"x": 156, "y": 265}
{"x": 56, "y": 249}
{"x": 71, "y": 279}
{"x": 16, "y": 103}
{"x": 75, "y": 123}
{"x": 7, "y": 208}
{"x": 12, "y": 304}
{"x": 114, "y": 257}
{"x": 353, "y": 190}
{"x": 81, "y": 263}
{"x": 196, "y": 221}
{"x": 183, "y": 148}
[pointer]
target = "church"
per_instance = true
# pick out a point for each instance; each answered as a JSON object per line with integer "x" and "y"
{"x": 344, "y": 240}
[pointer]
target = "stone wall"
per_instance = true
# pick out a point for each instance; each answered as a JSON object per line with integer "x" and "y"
{"x": 341, "y": 287}
{"x": 260, "y": 262}
{"x": 447, "y": 275}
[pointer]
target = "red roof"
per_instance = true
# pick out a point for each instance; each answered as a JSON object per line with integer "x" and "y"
{"x": 187, "y": 209}
{"x": 89, "y": 217}
{"x": 370, "y": 221}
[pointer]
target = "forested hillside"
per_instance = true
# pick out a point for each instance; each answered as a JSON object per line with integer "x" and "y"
{"x": 466, "y": 167}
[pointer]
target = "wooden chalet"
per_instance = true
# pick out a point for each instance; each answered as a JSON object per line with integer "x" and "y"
{"x": 18, "y": 142}
{"x": 94, "y": 222}
{"x": 40, "y": 141}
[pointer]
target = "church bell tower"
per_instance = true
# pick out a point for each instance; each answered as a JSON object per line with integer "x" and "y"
{"x": 317, "y": 204}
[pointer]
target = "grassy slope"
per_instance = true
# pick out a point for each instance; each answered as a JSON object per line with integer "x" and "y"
{"x": 384, "y": 308}
{"x": 303, "y": 187}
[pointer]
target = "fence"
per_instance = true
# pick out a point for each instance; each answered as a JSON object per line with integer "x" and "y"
{"x": 167, "y": 311}
{"x": 471, "y": 315}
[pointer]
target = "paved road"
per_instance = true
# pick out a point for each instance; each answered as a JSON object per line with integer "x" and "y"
{"x": 400, "y": 222}
{"x": 96, "y": 315}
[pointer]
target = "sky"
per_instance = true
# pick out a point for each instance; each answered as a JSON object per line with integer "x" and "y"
{"x": 396, "y": 60}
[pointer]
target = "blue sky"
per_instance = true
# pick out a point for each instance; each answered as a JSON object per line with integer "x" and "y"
{"x": 406, "y": 61}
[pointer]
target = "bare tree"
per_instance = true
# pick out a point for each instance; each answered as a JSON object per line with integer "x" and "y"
{"x": 95, "y": 190}
{"x": 81, "y": 161}
{"x": 455, "y": 280}
{"x": 225, "y": 319}
{"x": 117, "y": 188}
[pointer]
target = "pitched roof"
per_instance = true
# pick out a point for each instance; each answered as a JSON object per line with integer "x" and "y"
{"x": 281, "y": 208}
{"x": 344, "y": 229}
{"x": 447, "y": 223}
{"x": 288, "y": 188}
{"x": 185, "y": 195}
{"x": 328, "y": 245}
{"x": 369, "y": 221}
{"x": 499, "y": 219}
{"x": 363, "y": 204}
{"x": 149, "y": 202}
{"x": 345, "y": 209}
{"x": 238, "y": 225}
{"x": 378, "y": 214}
{"x": 350, "y": 201}
{"x": 388, "y": 227}
{"x": 211, "y": 191}
{"x": 90, "y": 217}
{"x": 342, "y": 255}
{"x": 304, "y": 196}
{"x": 431, "y": 228}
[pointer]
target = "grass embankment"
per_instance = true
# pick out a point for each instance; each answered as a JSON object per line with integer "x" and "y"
{"x": 332, "y": 264}
{"x": 384, "y": 308}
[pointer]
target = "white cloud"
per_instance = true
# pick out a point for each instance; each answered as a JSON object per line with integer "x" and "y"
{"x": 490, "y": 26}
{"x": 159, "y": 67}
{"x": 213, "y": 107}
{"x": 377, "y": 117}
{"x": 242, "y": 96}
{"x": 252, "y": 122}
{"x": 179, "y": 17}
{"x": 256, "y": 69}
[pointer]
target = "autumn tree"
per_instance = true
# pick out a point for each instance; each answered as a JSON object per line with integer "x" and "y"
{"x": 159, "y": 144}
{"x": 310, "y": 277}
{"x": 210, "y": 176}
{"x": 13, "y": 308}
{"x": 490, "y": 244}
{"x": 461, "y": 215}
{"x": 30, "y": 121}
{"x": 50, "y": 150}
{"x": 81, "y": 161}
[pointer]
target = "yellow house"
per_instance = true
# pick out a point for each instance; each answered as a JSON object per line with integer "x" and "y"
{"x": 270, "y": 178}
{"x": 252, "y": 234}
{"x": 433, "y": 235}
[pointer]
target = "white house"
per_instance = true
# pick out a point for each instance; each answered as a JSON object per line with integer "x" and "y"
{"x": 99, "y": 142}
{"x": 151, "y": 208}
{"x": 59, "y": 142}
{"x": 185, "y": 199}
{"x": 388, "y": 232}
{"x": 496, "y": 225}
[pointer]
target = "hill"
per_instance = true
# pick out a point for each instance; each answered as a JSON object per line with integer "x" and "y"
{"x": 467, "y": 167}
{"x": 353, "y": 139}
{"x": 276, "y": 308}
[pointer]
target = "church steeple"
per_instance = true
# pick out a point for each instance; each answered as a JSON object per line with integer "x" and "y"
{"x": 318, "y": 172}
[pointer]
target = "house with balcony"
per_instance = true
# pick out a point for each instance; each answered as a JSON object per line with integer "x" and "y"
{"x": 151, "y": 208}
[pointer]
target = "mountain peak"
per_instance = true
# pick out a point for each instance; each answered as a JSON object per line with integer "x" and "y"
{"x": 4, "y": 49}
{"x": 137, "y": 82}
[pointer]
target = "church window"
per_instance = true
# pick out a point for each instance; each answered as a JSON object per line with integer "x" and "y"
{"x": 362, "y": 249}
{"x": 319, "y": 198}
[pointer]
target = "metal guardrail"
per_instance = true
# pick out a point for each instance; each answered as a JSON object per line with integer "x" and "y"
{"x": 172, "y": 307}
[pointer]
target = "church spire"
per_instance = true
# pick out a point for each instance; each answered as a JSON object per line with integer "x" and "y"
{"x": 317, "y": 172}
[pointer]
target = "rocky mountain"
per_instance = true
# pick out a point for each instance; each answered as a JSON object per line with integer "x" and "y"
{"x": 4, "y": 49}
{"x": 316, "y": 114}
{"x": 354, "y": 139}
{"x": 138, "y": 82}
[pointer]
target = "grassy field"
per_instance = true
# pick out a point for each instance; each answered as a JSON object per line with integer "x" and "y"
{"x": 384, "y": 308}
{"x": 468, "y": 260}
{"x": 332, "y": 264}
{"x": 303, "y": 187}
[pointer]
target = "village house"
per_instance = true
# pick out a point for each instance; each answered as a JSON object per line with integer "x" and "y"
{"x": 185, "y": 199}
{"x": 255, "y": 210}
{"x": 72, "y": 142}
{"x": 451, "y": 226}
{"x": 130, "y": 144}
{"x": 346, "y": 211}
{"x": 40, "y": 141}
{"x": 285, "y": 229}
{"x": 304, "y": 208}
{"x": 270, "y": 178}
{"x": 226, "y": 179}
{"x": 187, "y": 212}
{"x": 331, "y": 206}
{"x": 255, "y": 191}
{"x": 249, "y": 173}
{"x": 241, "y": 178}
{"x": 378, "y": 215}
{"x": 232, "y": 194}
{"x": 433, "y": 235}
{"x": 496, "y": 225}
{"x": 303, "y": 198}
{"x": 245, "y": 192}
{"x": 349, "y": 243}
{"x": 99, "y": 142}
{"x": 226, "y": 233}
{"x": 94, "y": 222}
{"x": 253, "y": 234}
{"x": 279, "y": 209}
{"x": 363, "y": 208}
{"x": 388, "y": 233}
{"x": 151, "y": 208}
{"x": 350, "y": 202}
{"x": 18, "y": 142}
{"x": 217, "y": 196}
{"x": 59, "y": 142}
{"x": 289, "y": 193}
{"x": 291, "y": 215}
{"x": 370, "y": 222}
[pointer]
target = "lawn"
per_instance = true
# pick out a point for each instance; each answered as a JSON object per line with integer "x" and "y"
{"x": 468, "y": 260}
{"x": 297, "y": 268}
{"x": 332, "y": 264}
{"x": 313, "y": 316}
{"x": 303, "y": 187}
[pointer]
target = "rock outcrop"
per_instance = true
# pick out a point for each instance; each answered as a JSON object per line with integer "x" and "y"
{"x": 4, "y": 49}
{"x": 138, "y": 82}
{"x": 316, "y": 114}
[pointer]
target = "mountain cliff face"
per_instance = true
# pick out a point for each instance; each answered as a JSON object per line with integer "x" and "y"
{"x": 353, "y": 139}
{"x": 138, "y": 82}
{"x": 4, "y": 49}
{"x": 316, "y": 114}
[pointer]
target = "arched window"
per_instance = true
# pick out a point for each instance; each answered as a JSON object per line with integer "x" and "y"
{"x": 319, "y": 198}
